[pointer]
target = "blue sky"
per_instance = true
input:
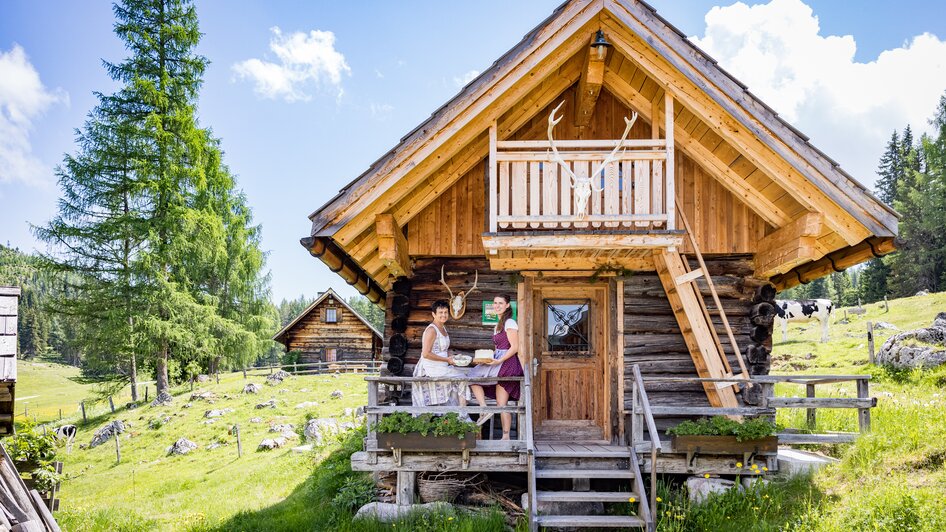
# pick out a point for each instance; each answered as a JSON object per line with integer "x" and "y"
{"x": 405, "y": 59}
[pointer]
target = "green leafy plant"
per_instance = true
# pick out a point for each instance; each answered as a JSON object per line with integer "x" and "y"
{"x": 445, "y": 425}
{"x": 356, "y": 492}
{"x": 46, "y": 478}
{"x": 750, "y": 429}
{"x": 28, "y": 445}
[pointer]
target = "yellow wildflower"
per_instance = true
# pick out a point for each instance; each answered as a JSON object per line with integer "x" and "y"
{"x": 631, "y": 499}
{"x": 765, "y": 469}
{"x": 738, "y": 464}
{"x": 705, "y": 475}
{"x": 659, "y": 499}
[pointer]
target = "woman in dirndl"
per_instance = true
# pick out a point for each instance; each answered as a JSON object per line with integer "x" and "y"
{"x": 505, "y": 363}
{"x": 435, "y": 362}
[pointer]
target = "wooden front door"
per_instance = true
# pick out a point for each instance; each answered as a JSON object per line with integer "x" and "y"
{"x": 570, "y": 346}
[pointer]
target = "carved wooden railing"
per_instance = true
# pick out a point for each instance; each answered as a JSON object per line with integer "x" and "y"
{"x": 528, "y": 191}
{"x": 643, "y": 416}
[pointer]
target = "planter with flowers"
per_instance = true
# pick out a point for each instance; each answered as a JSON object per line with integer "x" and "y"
{"x": 426, "y": 432}
{"x": 722, "y": 435}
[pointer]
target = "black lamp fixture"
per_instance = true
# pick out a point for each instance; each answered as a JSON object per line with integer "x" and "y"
{"x": 601, "y": 45}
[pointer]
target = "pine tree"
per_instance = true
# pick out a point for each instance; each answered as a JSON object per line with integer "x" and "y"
{"x": 872, "y": 285}
{"x": 890, "y": 170}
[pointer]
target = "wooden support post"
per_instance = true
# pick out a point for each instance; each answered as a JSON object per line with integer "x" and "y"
{"x": 118, "y": 449}
{"x": 812, "y": 413}
{"x": 863, "y": 414}
{"x": 870, "y": 342}
{"x": 60, "y": 414}
{"x": 637, "y": 416}
{"x": 406, "y": 482}
{"x": 668, "y": 133}
{"x": 147, "y": 388}
{"x": 82, "y": 404}
{"x": 236, "y": 431}
{"x": 111, "y": 403}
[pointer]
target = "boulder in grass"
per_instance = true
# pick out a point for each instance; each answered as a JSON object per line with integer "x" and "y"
{"x": 308, "y": 404}
{"x": 203, "y": 396}
{"x": 337, "y": 394}
{"x": 256, "y": 420}
{"x": 286, "y": 430}
{"x": 106, "y": 433}
{"x": 271, "y": 443}
{"x": 268, "y": 404}
{"x": 919, "y": 348}
{"x": 389, "y": 512}
{"x": 252, "y": 388}
{"x": 162, "y": 399}
{"x": 217, "y": 412}
{"x": 203, "y": 378}
{"x": 182, "y": 446}
{"x": 278, "y": 377}
{"x": 699, "y": 488}
{"x": 319, "y": 430}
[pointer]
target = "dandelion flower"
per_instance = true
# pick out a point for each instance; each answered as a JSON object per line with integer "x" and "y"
{"x": 738, "y": 464}
{"x": 659, "y": 499}
{"x": 706, "y": 475}
{"x": 765, "y": 469}
{"x": 631, "y": 499}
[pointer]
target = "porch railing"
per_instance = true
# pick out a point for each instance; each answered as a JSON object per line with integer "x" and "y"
{"x": 644, "y": 416}
{"x": 376, "y": 410}
{"x": 531, "y": 192}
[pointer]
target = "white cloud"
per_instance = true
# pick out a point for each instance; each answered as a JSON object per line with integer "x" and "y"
{"x": 461, "y": 81}
{"x": 848, "y": 108}
{"x": 380, "y": 111}
{"x": 305, "y": 60}
{"x": 23, "y": 98}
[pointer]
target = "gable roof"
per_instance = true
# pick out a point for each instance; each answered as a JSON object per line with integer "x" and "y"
{"x": 282, "y": 332}
{"x": 455, "y": 133}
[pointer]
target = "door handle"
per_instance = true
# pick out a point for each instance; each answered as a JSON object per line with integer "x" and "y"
{"x": 535, "y": 367}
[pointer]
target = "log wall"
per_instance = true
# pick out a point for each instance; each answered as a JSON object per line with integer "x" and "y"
{"x": 652, "y": 337}
{"x": 352, "y": 339}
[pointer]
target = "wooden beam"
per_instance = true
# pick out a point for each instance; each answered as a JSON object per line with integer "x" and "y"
{"x": 702, "y": 156}
{"x": 838, "y": 260}
{"x": 789, "y": 246}
{"x": 757, "y": 148}
{"x": 551, "y": 264}
{"x": 589, "y": 86}
{"x": 581, "y": 242}
{"x": 392, "y": 246}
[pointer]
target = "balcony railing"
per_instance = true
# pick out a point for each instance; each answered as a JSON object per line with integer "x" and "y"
{"x": 529, "y": 191}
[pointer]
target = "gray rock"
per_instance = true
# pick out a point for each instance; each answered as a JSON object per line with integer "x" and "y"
{"x": 187, "y": 405}
{"x": 919, "y": 348}
{"x": 268, "y": 404}
{"x": 203, "y": 396}
{"x": 360, "y": 411}
{"x": 286, "y": 430}
{"x": 252, "y": 388}
{"x": 203, "y": 378}
{"x": 318, "y": 430}
{"x": 387, "y": 512}
{"x": 885, "y": 325}
{"x": 793, "y": 462}
{"x": 699, "y": 489}
{"x": 256, "y": 420}
{"x": 214, "y": 445}
{"x": 162, "y": 399}
{"x": 159, "y": 422}
{"x": 303, "y": 448}
{"x": 217, "y": 413}
{"x": 277, "y": 378}
{"x": 131, "y": 406}
{"x": 922, "y": 293}
{"x": 308, "y": 404}
{"x": 209, "y": 421}
{"x": 182, "y": 446}
{"x": 271, "y": 443}
{"x": 106, "y": 433}
{"x": 337, "y": 394}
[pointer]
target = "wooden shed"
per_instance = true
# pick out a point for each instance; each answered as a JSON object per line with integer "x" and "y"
{"x": 9, "y": 302}
{"x": 659, "y": 246}
{"x": 329, "y": 330}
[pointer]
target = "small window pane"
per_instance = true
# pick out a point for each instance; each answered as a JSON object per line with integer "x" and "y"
{"x": 567, "y": 326}
{"x": 330, "y": 315}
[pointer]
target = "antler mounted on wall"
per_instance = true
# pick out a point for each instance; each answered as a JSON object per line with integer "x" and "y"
{"x": 458, "y": 302}
{"x": 584, "y": 185}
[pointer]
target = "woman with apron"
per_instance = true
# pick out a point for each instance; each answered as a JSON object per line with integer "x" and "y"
{"x": 505, "y": 363}
{"x": 435, "y": 361}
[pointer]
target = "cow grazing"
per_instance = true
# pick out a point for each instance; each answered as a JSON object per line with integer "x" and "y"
{"x": 804, "y": 310}
{"x": 67, "y": 434}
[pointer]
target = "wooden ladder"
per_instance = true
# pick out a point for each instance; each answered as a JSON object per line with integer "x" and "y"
{"x": 695, "y": 322}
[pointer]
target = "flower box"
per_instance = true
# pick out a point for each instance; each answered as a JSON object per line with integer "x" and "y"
{"x": 415, "y": 441}
{"x": 723, "y": 445}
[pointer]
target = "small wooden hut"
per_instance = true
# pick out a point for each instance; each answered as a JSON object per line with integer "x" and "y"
{"x": 329, "y": 330}
{"x": 644, "y": 259}
{"x": 9, "y": 301}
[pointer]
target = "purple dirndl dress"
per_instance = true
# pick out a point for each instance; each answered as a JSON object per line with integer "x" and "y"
{"x": 510, "y": 368}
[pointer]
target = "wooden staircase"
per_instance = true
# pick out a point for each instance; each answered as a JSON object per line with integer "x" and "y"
{"x": 582, "y": 466}
{"x": 694, "y": 319}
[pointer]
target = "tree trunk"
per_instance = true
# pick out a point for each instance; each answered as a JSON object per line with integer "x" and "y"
{"x": 133, "y": 377}
{"x": 161, "y": 372}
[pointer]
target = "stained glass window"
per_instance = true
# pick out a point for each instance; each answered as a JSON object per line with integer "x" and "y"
{"x": 568, "y": 326}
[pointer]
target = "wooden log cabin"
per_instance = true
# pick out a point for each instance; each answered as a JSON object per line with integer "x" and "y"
{"x": 660, "y": 277}
{"x": 9, "y": 311}
{"x": 329, "y": 330}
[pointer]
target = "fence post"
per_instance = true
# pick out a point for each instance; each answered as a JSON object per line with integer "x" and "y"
{"x": 26, "y": 411}
{"x": 886, "y": 305}
{"x": 870, "y": 342}
{"x": 812, "y": 413}
{"x": 146, "y": 392}
{"x": 244, "y": 372}
{"x": 236, "y": 430}
{"x": 863, "y": 414}
{"x": 60, "y": 414}
{"x": 218, "y": 377}
{"x": 111, "y": 403}
{"x": 118, "y": 449}
{"x": 83, "y": 411}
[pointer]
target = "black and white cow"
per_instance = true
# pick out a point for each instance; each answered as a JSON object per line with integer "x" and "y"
{"x": 804, "y": 310}
{"x": 67, "y": 434}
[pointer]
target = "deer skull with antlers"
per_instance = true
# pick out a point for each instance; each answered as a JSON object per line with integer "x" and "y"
{"x": 458, "y": 302}
{"x": 583, "y": 185}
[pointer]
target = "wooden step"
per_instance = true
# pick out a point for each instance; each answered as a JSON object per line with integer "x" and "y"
{"x": 600, "y": 452}
{"x": 583, "y": 473}
{"x": 586, "y": 496}
{"x": 600, "y": 521}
